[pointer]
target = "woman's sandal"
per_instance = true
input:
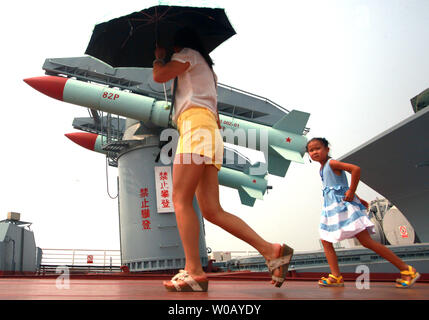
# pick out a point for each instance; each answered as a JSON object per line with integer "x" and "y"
{"x": 186, "y": 284}
{"x": 281, "y": 263}
{"x": 401, "y": 283}
{"x": 327, "y": 282}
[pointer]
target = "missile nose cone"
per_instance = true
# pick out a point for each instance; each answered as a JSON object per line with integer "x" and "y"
{"x": 50, "y": 85}
{"x": 84, "y": 139}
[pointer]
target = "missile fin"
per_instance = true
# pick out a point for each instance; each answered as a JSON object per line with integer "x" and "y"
{"x": 288, "y": 154}
{"x": 254, "y": 193}
{"x": 294, "y": 122}
{"x": 245, "y": 198}
{"x": 277, "y": 165}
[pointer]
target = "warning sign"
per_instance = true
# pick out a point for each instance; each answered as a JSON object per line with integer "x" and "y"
{"x": 403, "y": 231}
{"x": 164, "y": 189}
{"x": 90, "y": 259}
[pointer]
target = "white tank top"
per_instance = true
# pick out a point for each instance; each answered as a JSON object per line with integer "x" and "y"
{"x": 197, "y": 86}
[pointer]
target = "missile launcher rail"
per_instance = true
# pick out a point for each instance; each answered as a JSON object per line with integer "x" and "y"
{"x": 281, "y": 137}
{"x": 115, "y": 145}
{"x": 231, "y": 101}
{"x": 101, "y": 126}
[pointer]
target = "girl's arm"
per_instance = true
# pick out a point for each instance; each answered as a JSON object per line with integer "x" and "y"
{"x": 365, "y": 204}
{"x": 355, "y": 173}
{"x": 165, "y": 72}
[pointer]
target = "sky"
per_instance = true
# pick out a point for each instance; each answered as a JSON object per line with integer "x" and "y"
{"x": 353, "y": 65}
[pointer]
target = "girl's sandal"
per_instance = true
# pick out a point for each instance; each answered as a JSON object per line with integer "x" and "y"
{"x": 327, "y": 282}
{"x": 401, "y": 283}
{"x": 281, "y": 263}
{"x": 183, "y": 282}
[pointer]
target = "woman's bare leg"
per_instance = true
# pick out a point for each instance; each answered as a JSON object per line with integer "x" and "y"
{"x": 208, "y": 199}
{"x": 185, "y": 180}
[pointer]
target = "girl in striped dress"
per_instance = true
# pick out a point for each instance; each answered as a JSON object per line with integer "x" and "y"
{"x": 344, "y": 216}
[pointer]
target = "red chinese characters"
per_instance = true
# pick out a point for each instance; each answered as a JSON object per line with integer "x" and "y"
{"x": 145, "y": 213}
{"x": 165, "y": 193}
{"x": 145, "y": 209}
{"x": 146, "y": 225}
{"x": 144, "y": 193}
{"x": 165, "y": 203}
{"x": 164, "y": 189}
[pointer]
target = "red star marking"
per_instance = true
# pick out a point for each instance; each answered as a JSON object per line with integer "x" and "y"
{"x": 254, "y": 181}
{"x": 288, "y": 139}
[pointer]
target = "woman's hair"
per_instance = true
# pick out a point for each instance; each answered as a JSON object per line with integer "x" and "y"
{"x": 321, "y": 140}
{"x": 189, "y": 38}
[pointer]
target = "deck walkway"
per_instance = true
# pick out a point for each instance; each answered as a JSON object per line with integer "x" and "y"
{"x": 12, "y": 288}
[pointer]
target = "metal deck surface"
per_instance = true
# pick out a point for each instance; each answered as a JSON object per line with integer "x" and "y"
{"x": 219, "y": 289}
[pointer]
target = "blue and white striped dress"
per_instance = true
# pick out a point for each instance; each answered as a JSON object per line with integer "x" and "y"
{"x": 340, "y": 219}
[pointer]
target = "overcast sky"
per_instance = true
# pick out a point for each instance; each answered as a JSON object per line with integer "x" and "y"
{"x": 353, "y": 65}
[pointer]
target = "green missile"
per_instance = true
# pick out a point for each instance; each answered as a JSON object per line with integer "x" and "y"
{"x": 250, "y": 187}
{"x": 282, "y": 143}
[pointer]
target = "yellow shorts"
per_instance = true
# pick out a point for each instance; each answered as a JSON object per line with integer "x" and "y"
{"x": 200, "y": 138}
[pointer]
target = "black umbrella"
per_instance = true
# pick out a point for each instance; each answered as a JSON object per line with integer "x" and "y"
{"x": 130, "y": 41}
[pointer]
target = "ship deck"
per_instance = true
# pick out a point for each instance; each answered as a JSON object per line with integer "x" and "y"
{"x": 240, "y": 286}
{"x": 227, "y": 297}
{"x": 45, "y": 289}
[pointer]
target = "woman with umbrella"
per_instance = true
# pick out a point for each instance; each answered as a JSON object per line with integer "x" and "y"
{"x": 198, "y": 159}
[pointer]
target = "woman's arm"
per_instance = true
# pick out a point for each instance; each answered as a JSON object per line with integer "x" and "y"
{"x": 165, "y": 72}
{"x": 355, "y": 173}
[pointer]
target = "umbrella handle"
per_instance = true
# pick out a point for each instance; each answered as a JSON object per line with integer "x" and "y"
{"x": 165, "y": 93}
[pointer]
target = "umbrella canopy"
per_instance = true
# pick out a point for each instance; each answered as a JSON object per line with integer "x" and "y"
{"x": 130, "y": 41}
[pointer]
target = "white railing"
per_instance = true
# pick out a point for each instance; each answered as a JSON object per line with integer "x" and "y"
{"x": 104, "y": 259}
{"x": 81, "y": 257}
